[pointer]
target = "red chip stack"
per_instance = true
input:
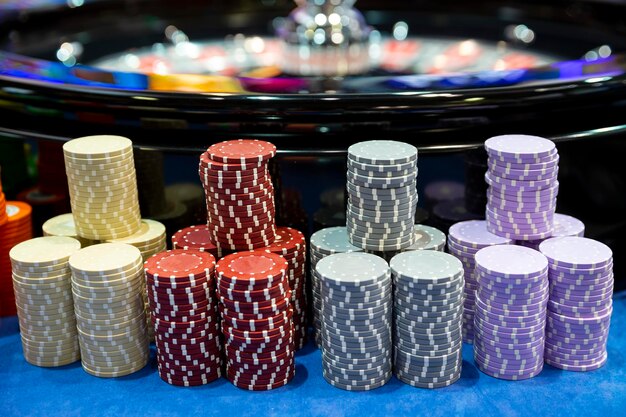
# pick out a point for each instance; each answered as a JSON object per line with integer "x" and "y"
{"x": 254, "y": 295}
{"x": 239, "y": 194}
{"x": 291, "y": 245}
{"x": 181, "y": 292}
{"x": 196, "y": 238}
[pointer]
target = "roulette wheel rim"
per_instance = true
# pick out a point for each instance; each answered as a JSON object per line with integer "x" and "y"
{"x": 436, "y": 112}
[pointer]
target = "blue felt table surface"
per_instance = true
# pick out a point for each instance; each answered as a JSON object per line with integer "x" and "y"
{"x": 29, "y": 390}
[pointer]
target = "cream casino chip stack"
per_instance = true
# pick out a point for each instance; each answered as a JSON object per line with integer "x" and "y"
{"x": 150, "y": 240}
{"x": 63, "y": 225}
{"x": 43, "y": 296}
{"x": 103, "y": 187}
{"x": 108, "y": 288}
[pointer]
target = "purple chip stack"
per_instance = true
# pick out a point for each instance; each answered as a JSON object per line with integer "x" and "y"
{"x": 580, "y": 306}
{"x": 464, "y": 240}
{"x": 523, "y": 186}
{"x": 563, "y": 226}
{"x": 510, "y": 316}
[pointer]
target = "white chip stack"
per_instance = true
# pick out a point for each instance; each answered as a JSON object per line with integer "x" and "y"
{"x": 324, "y": 243}
{"x": 464, "y": 240}
{"x": 103, "y": 187}
{"x": 63, "y": 225}
{"x": 108, "y": 288}
{"x": 43, "y": 295}
{"x": 428, "y": 310}
{"x": 357, "y": 302}
{"x": 382, "y": 178}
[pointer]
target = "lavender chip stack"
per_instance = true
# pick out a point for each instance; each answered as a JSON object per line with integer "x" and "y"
{"x": 510, "y": 316}
{"x": 464, "y": 240}
{"x": 523, "y": 186}
{"x": 580, "y": 306}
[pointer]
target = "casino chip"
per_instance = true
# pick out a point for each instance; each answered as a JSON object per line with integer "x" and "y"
{"x": 428, "y": 309}
{"x": 239, "y": 194}
{"x": 563, "y": 226}
{"x": 150, "y": 240}
{"x": 63, "y": 225}
{"x": 108, "y": 292}
{"x": 580, "y": 306}
{"x": 510, "y": 311}
{"x": 196, "y": 238}
{"x": 103, "y": 187}
{"x": 464, "y": 240}
{"x": 291, "y": 245}
{"x": 43, "y": 294}
{"x": 356, "y": 294}
{"x": 257, "y": 319}
{"x": 382, "y": 195}
{"x": 427, "y": 238}
{"x": 18, "y": 228}
{"x": 523, "y": 186}
{"x": 183, "y": 305}
{"x": 324, "y": 243}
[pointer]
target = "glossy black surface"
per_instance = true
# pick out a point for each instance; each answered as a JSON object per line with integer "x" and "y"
{"x": 561, "y": 103}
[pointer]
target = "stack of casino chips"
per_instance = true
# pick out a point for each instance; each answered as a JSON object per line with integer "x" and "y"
{"x": 181, "y": 291}
{"x": 18, "y": 228}
{"x": 357, "y": 303}
{"x": 150, "y": 240}
{"x": 239, "y": 194}
{"x": 43, "y": 293}
{"x": 464, "y": 240}
{"x": 108, "y": 290}
{"x": 63, "y": 225}
{"x": 103, "y": 188}
{"x": 291, "y": 245}
{"x": 510, "y": 316}
{"x": 580, "y": 306}
{"x": 196, "y": 238}
{"x": 257, "y": 320}
{"x": 428, "y": 309}
{"x": 563, "y": 226}
{"x": 324, "y": 243}
{"x": 523, "y": 186}
{"x": 382, "y": 193}
{"x": 427, "y": 238}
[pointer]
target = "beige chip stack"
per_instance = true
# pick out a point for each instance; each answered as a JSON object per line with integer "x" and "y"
{"x": 150, "y": 240}
{"x": 108, "y": 287}
{"x": 63, "y": 225}
{"x": 103, "y": 187}
{"x": 43, "y": 295}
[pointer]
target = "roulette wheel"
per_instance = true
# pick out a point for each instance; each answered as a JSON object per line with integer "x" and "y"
{"x": 442, "y": 75}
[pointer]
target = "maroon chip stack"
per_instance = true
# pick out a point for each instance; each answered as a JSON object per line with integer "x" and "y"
{"x": 239, "y": 194}
{"x": 181, "y": 292}
{"x": 291, "y": 245}
{"x": 257, "y": 325}
{"x": 196, "y": 238}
